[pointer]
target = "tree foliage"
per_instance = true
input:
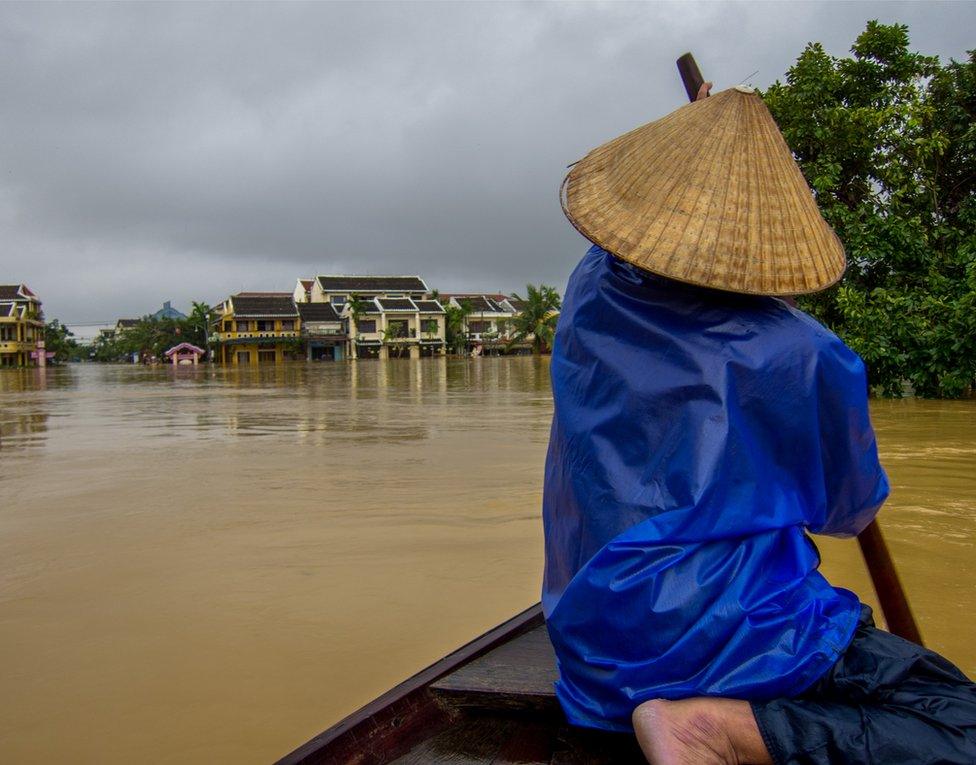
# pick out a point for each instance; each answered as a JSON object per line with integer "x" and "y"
{"x": 886, "y": 139}
{"x": 455, "y": 326}
{"x": 537, "y": 320}
{"x": 151, "y": 337}
{"x": 60, "y": 340}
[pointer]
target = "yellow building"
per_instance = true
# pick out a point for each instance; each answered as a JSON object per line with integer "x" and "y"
{"x": 21, "y": 325}
{"x": 257, "y": 328}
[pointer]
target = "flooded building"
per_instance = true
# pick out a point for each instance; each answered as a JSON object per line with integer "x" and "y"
{"x": 323, "y": 331}
{"x": 490, "y": 321}
{"x": 257, "y": 328}
{"x": 21, "y": 325}
{"x": 385, "y": 316}
{"x": 124, "y": 325}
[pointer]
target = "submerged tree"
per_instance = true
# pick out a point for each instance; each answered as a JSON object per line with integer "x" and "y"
{"x": 455, "y": 325}
{"x": 537, "y": 319}
{"x": 60, "y": 341}
{"x": 886, "y": 138}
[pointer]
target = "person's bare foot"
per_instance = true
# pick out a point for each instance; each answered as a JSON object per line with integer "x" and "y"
{"x": 699, "y": 731}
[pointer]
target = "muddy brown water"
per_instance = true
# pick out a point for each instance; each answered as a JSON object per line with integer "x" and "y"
{"x": 211, "y": 565}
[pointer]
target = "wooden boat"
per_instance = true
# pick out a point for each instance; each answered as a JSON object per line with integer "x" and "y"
{"x": 491, "y": 701}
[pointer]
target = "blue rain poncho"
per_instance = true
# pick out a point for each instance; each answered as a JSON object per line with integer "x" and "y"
{"x": 697, "y": 436}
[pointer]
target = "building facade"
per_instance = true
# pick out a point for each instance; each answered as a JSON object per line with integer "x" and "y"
{"x": 257, "y": 328}
{"x": 489, "y": 322}
{"x": 21, "y": 325}
{"x": 385, "y": 316}
{"x": 323, "y": 331}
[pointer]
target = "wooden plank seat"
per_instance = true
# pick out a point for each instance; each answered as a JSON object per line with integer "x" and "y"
{"x": 516, "y": 675}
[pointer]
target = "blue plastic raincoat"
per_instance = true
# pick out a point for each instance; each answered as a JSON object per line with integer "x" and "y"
{"x": 697, "y": 436}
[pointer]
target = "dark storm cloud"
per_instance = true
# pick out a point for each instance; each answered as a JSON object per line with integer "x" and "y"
{"x": 186, "y": 151}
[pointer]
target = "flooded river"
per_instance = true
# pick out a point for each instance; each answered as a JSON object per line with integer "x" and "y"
{"x": 211, "y": 565}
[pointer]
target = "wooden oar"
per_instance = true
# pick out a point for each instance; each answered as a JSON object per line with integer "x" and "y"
{"x": 884, "y": 577}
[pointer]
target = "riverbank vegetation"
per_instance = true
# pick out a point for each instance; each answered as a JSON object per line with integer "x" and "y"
{"x": 151, "y": 337}
{"x": 887, "y": 139}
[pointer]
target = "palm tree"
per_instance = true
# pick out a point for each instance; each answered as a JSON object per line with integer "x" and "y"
{"x": 537, "y": 320}
{"x": 455, "y": 320}
{"x": 357, "y": 307}
{"x": 198, "y": 325}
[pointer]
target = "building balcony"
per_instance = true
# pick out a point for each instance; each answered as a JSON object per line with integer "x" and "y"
{"x": 323, "y": 333}
{"x": 272, "y": 334}
{"x": 14, "y": 346}
{"x": 256, "y": 338}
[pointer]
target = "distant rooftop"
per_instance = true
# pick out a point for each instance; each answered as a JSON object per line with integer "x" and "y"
{"x": 481, "y": 304}
{"x": 317, "y": 312}
{"x": 396, "y": 304}
{"x": 260, "y": 305}
{"x": 517, "y": 303}
{"x": 168, "y": 312}
{"x": 372, "y": 284}
{"x": 16, "y": 292}
{"x": 429, "y": 306}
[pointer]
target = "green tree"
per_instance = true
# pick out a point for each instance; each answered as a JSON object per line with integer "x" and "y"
{"x": 886, "y": 139}
{"x": 61, "y": 341}
{"x": 537, "y": 320}
{"x": 196, "y": 327}
{"x": 455, "y": 326}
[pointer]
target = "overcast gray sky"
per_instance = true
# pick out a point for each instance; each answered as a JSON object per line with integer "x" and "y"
{"x": 187, "y": 151}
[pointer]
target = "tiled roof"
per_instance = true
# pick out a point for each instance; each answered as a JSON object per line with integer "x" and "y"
{"x": 481, "y": 304}
{"x": 396, "y": 304}
{"x": 126, "y": 322}
{"x": 372, "y": 284}
{"x": 429, "y": 306}
{"x": 517, "y": 303}
{"x": 268, "y": 304}
{"x": 15, "y": 292}
{"x": 317, "y": 312}
{"x": 446, "y": 296}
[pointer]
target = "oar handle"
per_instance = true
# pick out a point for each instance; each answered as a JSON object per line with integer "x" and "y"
{"x": 887, "y": 585}
{"x": 691, "y": 76}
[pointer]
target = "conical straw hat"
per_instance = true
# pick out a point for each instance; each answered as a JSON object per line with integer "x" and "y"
{"x": 709, "y": 195}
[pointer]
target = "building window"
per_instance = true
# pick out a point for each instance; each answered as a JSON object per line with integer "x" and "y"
{"x": 429, "y": 326}
{"x": 338, "y": 300}
{"x": 243, "y": 357}
{"x": 478, "y": 326}
{"x": 243, "y": 326}
{"x": 265, "y": 326}
{"x": 288, "y": 325}
{"x": 366, "y": 326}
{"x": 228, "y": 326}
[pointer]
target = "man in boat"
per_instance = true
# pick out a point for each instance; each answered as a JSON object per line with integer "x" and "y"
{"x": 702, "y": 428}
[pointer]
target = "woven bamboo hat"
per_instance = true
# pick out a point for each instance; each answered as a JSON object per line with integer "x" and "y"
{"x": 709, "y": 195}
